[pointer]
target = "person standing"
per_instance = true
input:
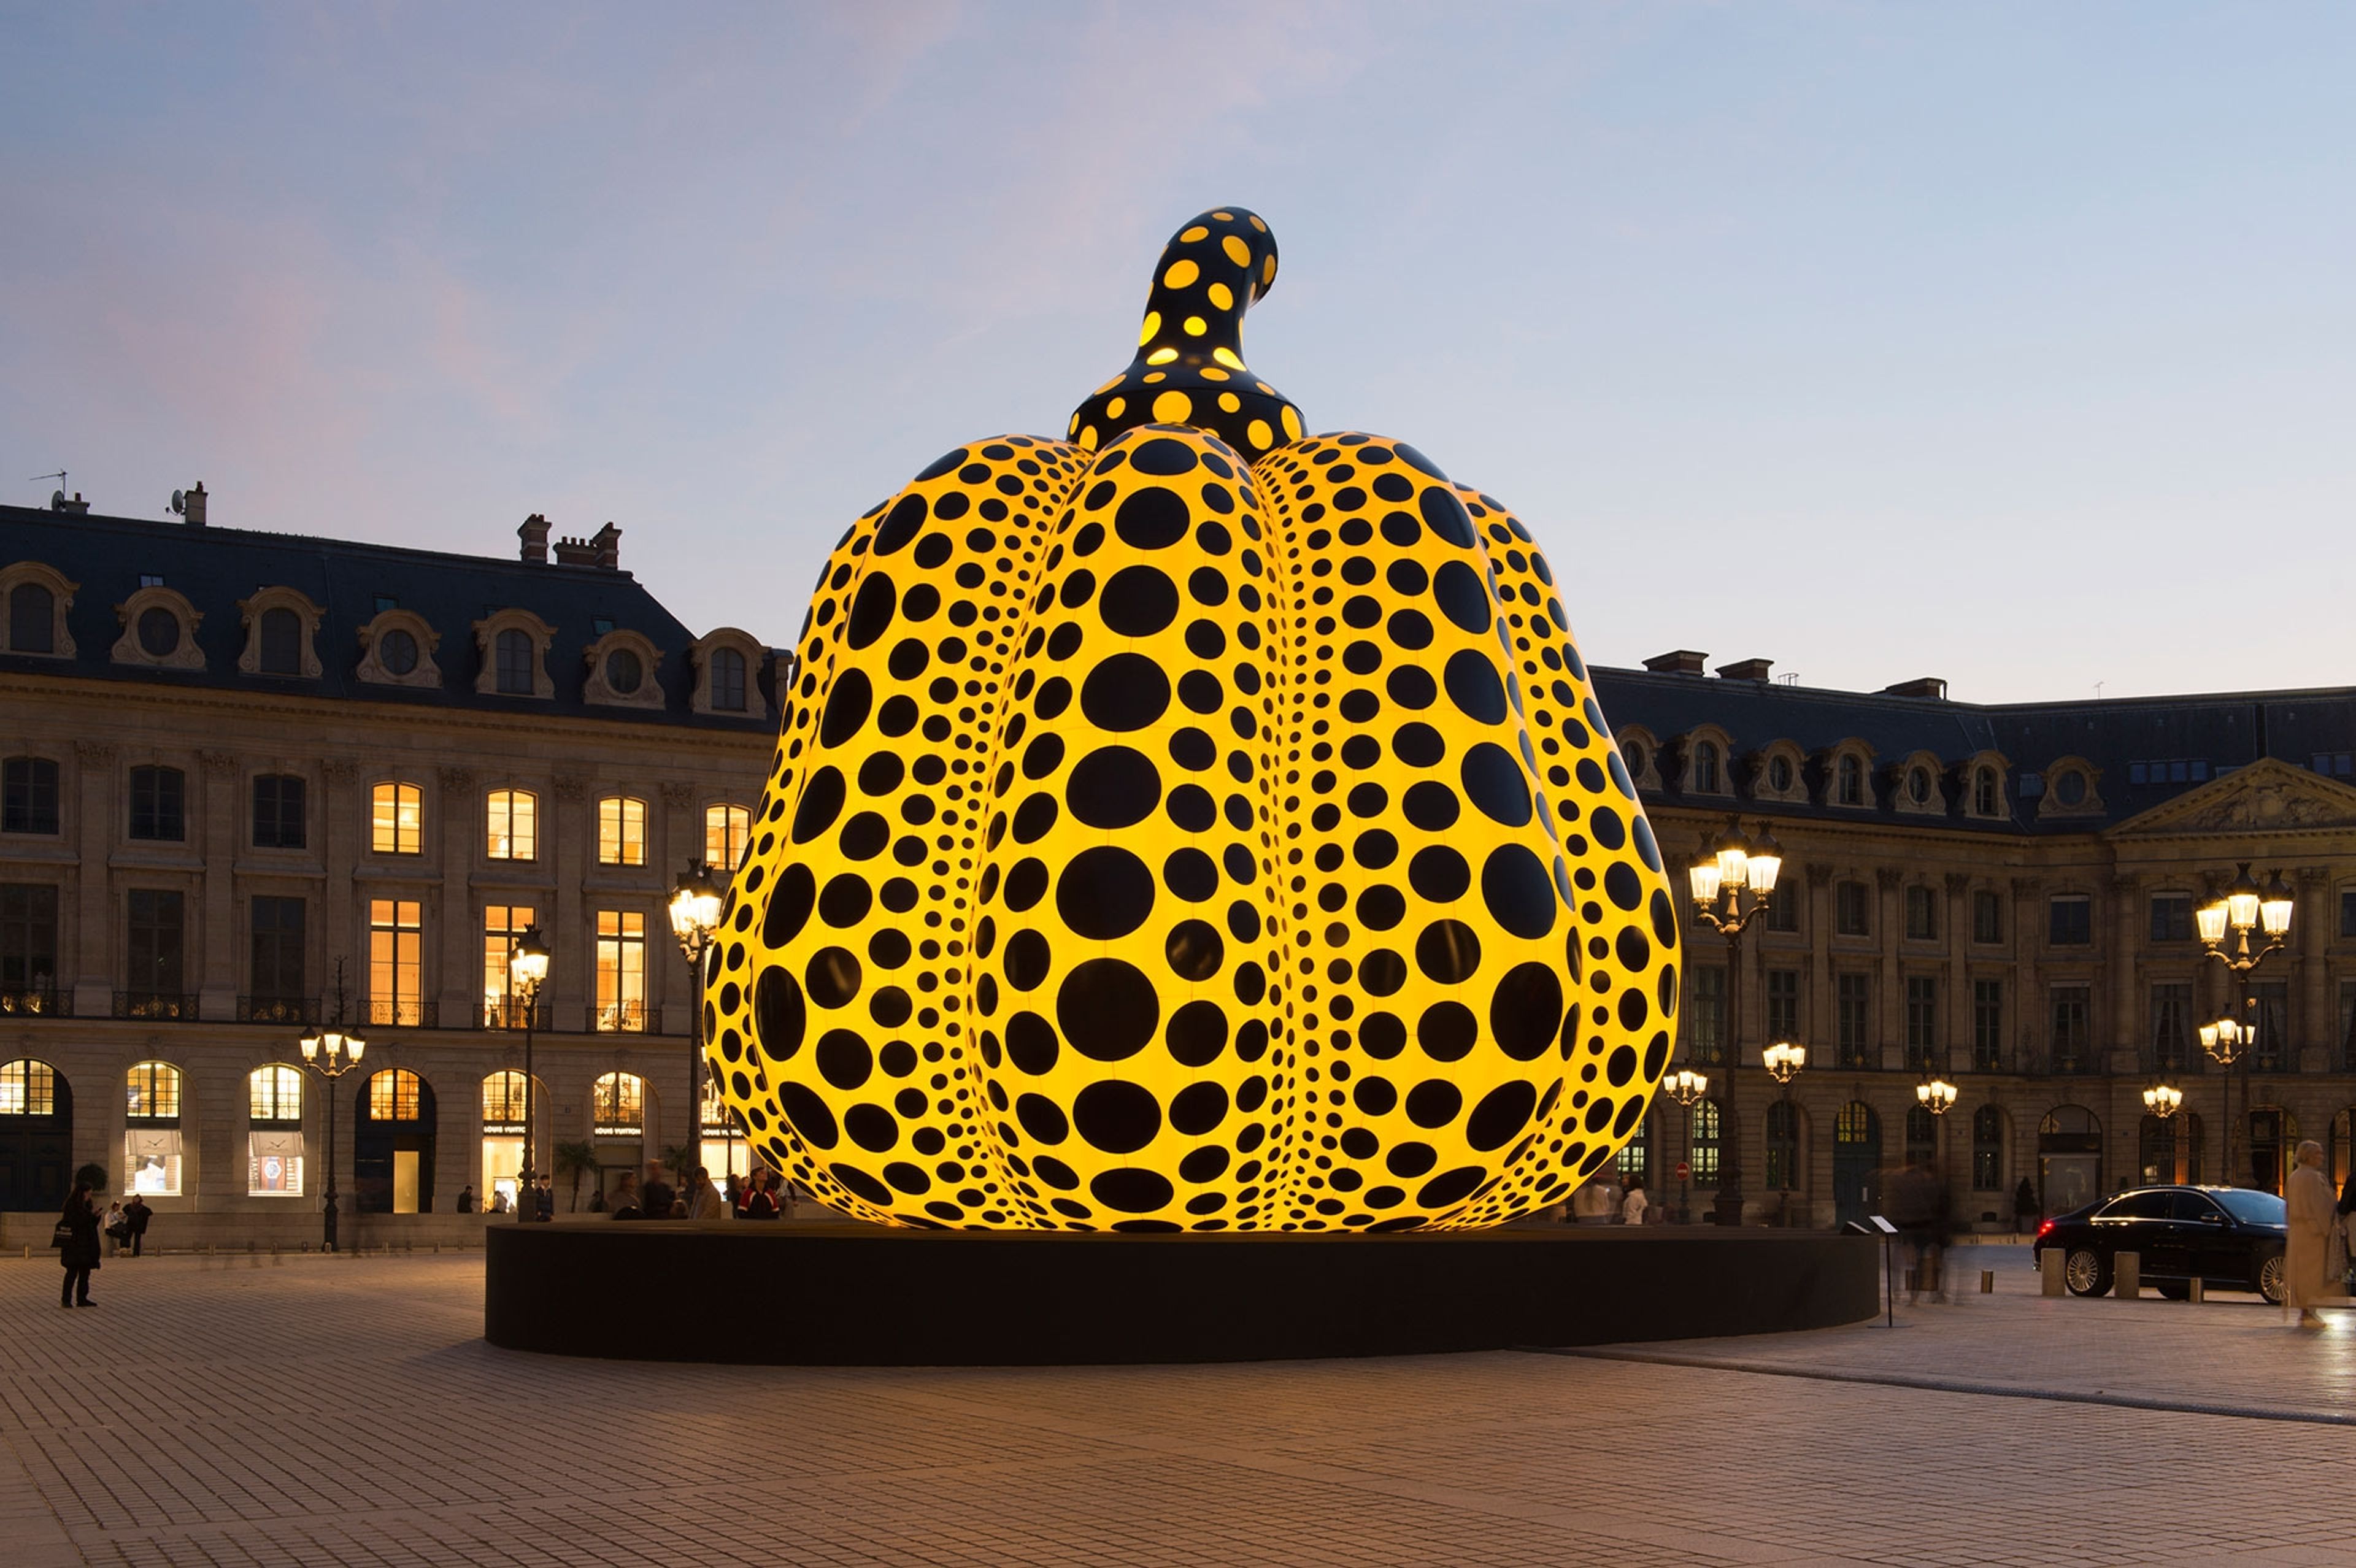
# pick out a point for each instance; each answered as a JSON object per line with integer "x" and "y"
{"x": 467, "y": 1199}
{"x": 1633, "y": 1207}
{"x": 136, "y": 1214}
{"x": 705, "y": 1202}
{"x": 1591, "y": 1204}
{"x": 2311, "y": 1212}
{"x": 77, "y": 1246}
{"x": 655, "y": 1197}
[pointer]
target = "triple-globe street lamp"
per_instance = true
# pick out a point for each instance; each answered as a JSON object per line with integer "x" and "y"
{"x": 527, "y": 972}
{"x": 2226, "y": 924}
{"x": 331, "y": 1053}
{"x": 1688, "y": 1088}
{"x": 695, "y": 905}
{"x": 1733, "y": 881}
{"x": 1783, "y": 1061}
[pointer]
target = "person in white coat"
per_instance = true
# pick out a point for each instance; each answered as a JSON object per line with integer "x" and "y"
{"x": 2312, "y": 1209}
{"x": 1633, "y": 1207}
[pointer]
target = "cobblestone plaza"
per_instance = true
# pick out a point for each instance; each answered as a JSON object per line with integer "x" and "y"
{"x": 316, "y": 1410}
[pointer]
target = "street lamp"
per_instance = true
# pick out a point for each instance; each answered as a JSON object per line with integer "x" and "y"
{"x": 695, "y": 905}
{"x": 1783, "y": 1060}
{"x": 2163, "y": 1100}
{"x": 527, "y": 972}
{"x": 1935, "y": 1093}
{"x": 2225, "y": 923}
{"x": 1687, "y": 1087}
{"x": 331, "y": 1053}
{"x": 1728, "y": 866}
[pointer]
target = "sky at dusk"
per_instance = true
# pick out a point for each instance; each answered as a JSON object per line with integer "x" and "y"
{"x": 2014, "y": 345}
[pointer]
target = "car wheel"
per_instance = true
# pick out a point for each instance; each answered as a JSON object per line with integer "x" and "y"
{"x": 2086, "y": 1271}
{"x": 2174, "y": 1289}
{"x": 2270, "y": 1280}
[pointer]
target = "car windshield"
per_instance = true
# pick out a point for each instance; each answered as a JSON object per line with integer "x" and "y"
{"x": 2255, "y": 1208}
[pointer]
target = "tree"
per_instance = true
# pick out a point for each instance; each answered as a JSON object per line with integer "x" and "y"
{"x": 577, "y": 1160}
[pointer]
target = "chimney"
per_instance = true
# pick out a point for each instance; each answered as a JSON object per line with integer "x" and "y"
{"x": 1929, "y": 686}
{"x": 575, "y": 552}
{"x": 194, "y": 504}
{"x": 608, "y": 542}
{"x": 534, "y": 534}
{"x": 76, "y": 507}
{"x": 1746, "y": 669}
{"x": 1684, "y": 661}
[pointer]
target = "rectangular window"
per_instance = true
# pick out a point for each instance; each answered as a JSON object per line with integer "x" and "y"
{"x": 1704, "y": 1142}
{"x": 621, "y": 831}
{"x": 28, "y": 1088}
{"x": 1987, "y": 915}
{"x": 1782, "y": 1003}
{"x": 2071, "y": 1038}
{"x": 726, "y": 829}
{"x": 278, "y": 802}
{"x": 514, "y": 825}
{"x": 1853, "y": 1019}
{"x": 277, "y": 972}
{"x": 1922, "y": 1023}
{"x": 1852, "y": 908}
{"x": 1922, "y": 914}
{"x": 396, "y": 978}
{"x": 2270, "y": 1006}
{"x": 502, "y": 923}
{"x": 2070, "y": 921}
{"x": 727, "y": 680}
{"x": 28, "y": 947}
{"x": 393, "y": 1097}
{"x": 28, "y": 796}
{"x": 397, "y": 819}
{"x": 2171, "y": 917}
{"x": 159, "y": 804}
{"x": 273, "y": 1162}
{"x": 152, "y": 968}
{"x": 2348, "y": 913}
{"x": 1706, "y": 1015}
{"x": 1987, "y": 1025}
{"x": 2171, "y": 1027}
{"x": 1987, "y": 1149}
{"x": 1783, "y": 913}
{"x": 621, "y": 970}
{"x": 152, "y": 1093}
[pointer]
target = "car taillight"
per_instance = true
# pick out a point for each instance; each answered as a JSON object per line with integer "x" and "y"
{"x": 2043, "y": 1229}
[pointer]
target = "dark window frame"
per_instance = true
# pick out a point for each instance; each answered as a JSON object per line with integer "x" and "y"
{"x": 280, "y": 807}
{"x": 159, "y": 804}
{"x": 30, "y": 795}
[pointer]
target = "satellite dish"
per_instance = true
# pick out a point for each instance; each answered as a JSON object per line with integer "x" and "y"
{"x": 57, "y": 500}
{"x": 179, "y": 503}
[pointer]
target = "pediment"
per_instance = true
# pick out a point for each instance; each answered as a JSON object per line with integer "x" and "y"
{"x": 2267, "y": 797}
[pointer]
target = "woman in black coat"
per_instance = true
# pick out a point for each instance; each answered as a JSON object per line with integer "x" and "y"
{"x": 80, "y": 1252}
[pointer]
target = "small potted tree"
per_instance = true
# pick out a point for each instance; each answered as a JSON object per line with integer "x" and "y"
{"x": 577, "y": 1160}
{"x": 2024, "y": 1205}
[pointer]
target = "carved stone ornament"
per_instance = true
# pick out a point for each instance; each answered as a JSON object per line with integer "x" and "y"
{"x": 96, "y": 753}
{"x": 341, "y": 770}
{"x": 571, "y": 788}
{"x": 1817, "y": 873}
{"x": 1888, "y": 876}
{"x": 457, "y": 780}
{"x": 218, "y": 761}
{"x": 676, "y": 793}
{"x": 1958, "y": 884}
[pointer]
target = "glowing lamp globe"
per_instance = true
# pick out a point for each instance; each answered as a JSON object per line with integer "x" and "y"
{"x": 1193, "y": 824}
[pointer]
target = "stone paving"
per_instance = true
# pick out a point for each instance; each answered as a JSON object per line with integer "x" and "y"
{"x": 338, "y": 1410}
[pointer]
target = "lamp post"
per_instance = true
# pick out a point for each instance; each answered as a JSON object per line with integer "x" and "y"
{"x": 331, "y": 1053}
{"x": 1686, "y": 1087}
{"x": 695, "y": 905}
{"x": 2225, "y": 923}
{"x": 1727, "y": 869}
{"x": 2163, "y": 1100}
{"x": 1936, "y": 1094}
{"x": 1783, "y": 1060}
{"x": 527, "y": 971}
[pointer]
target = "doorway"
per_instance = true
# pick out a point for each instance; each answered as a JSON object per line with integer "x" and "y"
{"x": 2274, "y": 1135}
{"x": 394, "y": 1119}
{"x": 2069, "y": 1158}
{"x": 35, "y": 1136}
{"x": 1856, "y": 1162}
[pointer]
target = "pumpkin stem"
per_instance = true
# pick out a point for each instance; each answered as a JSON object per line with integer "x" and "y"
{"x": 1190, "y": 367}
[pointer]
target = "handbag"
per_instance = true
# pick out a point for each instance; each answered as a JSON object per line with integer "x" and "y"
{"x": 62, "y": 1237}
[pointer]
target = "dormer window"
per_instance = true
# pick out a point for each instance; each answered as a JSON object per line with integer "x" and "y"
{"x": 397, "y": 651}
{"x": 1918, "y": 785}
{"x": 1706, "y": 768}
{"x": 1850, "y": 782}
{"x": 513, "y": 647}
{"x": 160, "y": 633}
{"x": 1779, "y": 773}
{"x": 515, "y": 655}
{"x": 1632, "y": 753}
{"x": 1986, "y": 801}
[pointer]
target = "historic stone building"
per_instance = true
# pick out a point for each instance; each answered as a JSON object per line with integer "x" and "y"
{"x": 253, "y": 783}
{"x": 2003, "y": 895}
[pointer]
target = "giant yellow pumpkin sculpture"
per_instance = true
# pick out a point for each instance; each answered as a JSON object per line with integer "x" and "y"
{"x": 1196, "y": 825}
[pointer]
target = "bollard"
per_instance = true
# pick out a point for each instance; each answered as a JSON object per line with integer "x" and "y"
{"x": 2198, "y": 1292}
{"x": 1988, "y": 1281}
{"x": 2127, "y": 1272}
{"x": 2049, "y": 1272}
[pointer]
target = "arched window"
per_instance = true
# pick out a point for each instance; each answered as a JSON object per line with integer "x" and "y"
{"x": 514, "y": 824}
{"x": 1987, "y": 1149}
{"x": 1984, "y": 792}
{"x": 1633, "y": 753}
{"x": 503, "y": 1125}
{"x": 397, "y": 819}
{"x": 503, "y": 1105}
{"x": 282, "y": 642}
{"x": 1922, "y": 1136}
{"x": 36, "y": 1134}
{"x": 151, "y": 1153}
{"x": 1706, "y": 768}
{"x": 1850, "y": 782}
{"x": 159, "y": 799}
{"x": 1782, "y": 1147}
{"x": 726, "y": 830}
{"x": 274, "y": 1153}
{"x": 727, "y": 680}
{"x": 618, "y": 1105}
{"x": 1704, "y": 1160}
{"x": 516, "y": 658}
{"x": 1779, "y": 773}
{"x": 621, "y": 831}
{"x": 393, "y": 1096}
{"x": 32, "y": 619}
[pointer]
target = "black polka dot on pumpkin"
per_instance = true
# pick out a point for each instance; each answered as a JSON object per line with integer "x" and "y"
{"x": 1115, "y": 1115}
{"x": 1125, "y": 691}
{"x": 1105, "y": 892}
{"x": 779, "y": 1016}
{"x": 872, "y": 1127}
{"x": 790, "y": 898}
{"x": 1444, "y": 515}
{"x": 1410, "y": 1160}
{"x": 809, "y": 1116}
{"x": 1152, "y": 518}
{"x": 1041, "y": 1119}
{"x": 1030, "y": 1043}
{"x": 1493, "y": 782}
{"x": 1473, "y": 686}
{"x": 1382, "y": 972}
{"x": 870, "y": 612}
{"x": 1516, "y": 891}
{"x": 1025, "y": 884}
{"x": 831, "y": 980}
{"x": 898, "y": 528}
{"x": 1107, "y": 1009}
{"x": 1198, "y": 1109}
{"x": 1195, "y": 950}
{"x": 1190, "y": 874}
{"x": 1438, "y": 874}
{"x": 1453, "y": 1187}
{"x": 1525, "y": 1011}
{"x": 1197, "y": 1033}
{"x": 1447, "y": 1031}
{"x": 1130, "y": 1190}
{"x": 1113, "y": 787}
{"x": 1162, "y": 457}
{"x": 1139, "y": 601}
{"x": 1430, "y": 805}
{"x": 1447, "y": 952}
{"x": 822, "y": 803}
{"x": 843, "y": 1059}
{"x": 1027, "y": 960}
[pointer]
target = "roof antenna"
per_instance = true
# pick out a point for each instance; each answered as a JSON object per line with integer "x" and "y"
{"x": 2098, "y": 691}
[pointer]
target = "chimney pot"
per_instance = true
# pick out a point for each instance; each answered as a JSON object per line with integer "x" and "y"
{"x": 1746, "y": 669}
{"x": 534, "y": 535}
{"x": 76, "y": 507}
{"x": 1929, "y": 686}
{"x": 1682, "y": 661}
{"x": 608, "y": 542}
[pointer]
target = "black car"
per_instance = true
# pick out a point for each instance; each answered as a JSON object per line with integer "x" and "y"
{"x": 2230, "y": 1238}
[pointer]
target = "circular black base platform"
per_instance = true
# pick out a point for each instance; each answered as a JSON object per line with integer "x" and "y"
{"x": 835, "y": 1294}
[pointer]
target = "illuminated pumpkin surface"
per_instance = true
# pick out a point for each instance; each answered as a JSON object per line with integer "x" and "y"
{"x": 1193, "y": 824}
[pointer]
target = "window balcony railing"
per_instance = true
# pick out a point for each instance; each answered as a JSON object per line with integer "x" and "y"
{"x": 278, "y": 1009}
{"x": 401, "y": 1012}
{"x": 493, "y": 1012}
{"x": 36, "y": 1001}
{"x": 618, "y": 1018}
{"x": 156, "y": 1006}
